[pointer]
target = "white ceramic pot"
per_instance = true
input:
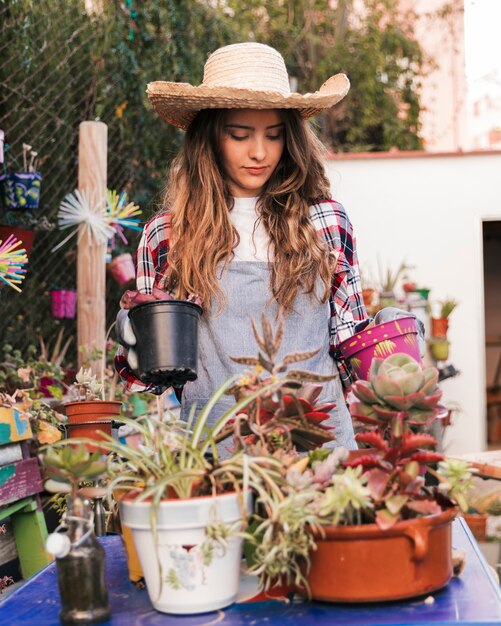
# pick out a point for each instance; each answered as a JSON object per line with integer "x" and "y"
{"x": 178, "y": 577}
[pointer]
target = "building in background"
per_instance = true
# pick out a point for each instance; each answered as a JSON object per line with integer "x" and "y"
{"x": 485, "y": 112}
{"x": 439, "y": 28}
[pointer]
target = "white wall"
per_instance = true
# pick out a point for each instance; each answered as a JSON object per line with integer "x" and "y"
{"x": 428, "y": 210}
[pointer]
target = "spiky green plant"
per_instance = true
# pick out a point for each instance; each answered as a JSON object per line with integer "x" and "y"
{"x": 288, "y": 416}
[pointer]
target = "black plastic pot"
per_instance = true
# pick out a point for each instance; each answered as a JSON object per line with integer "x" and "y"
{"x": 167, "y": 341}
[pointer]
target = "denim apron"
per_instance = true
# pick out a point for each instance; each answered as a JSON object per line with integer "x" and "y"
{"x": 246, "y": 286}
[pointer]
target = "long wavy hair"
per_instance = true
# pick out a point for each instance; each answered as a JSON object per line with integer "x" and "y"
{"x": 202, "y": 236}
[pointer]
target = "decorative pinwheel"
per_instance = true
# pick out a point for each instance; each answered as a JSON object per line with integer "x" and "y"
{"x": 102, "y": 221}
{"x": 12, "y": 261}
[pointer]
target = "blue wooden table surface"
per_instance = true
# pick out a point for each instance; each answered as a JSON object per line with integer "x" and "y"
{"x": 473, "y": 598}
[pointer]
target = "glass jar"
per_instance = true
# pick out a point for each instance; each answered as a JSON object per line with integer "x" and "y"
{"x": 80, "y": 572}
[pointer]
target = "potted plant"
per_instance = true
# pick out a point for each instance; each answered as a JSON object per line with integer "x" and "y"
{"x": 388, "y": 280}
{"x": 21, "y": 190}
{"x": 440, "y": 324}
{"x": 439, "y": 348}
{"x": 483, "y": 507}
{"x": 88, "y": 415}
{"x": 186, "y": 507}
{"x": 167, "y": 336}
{"x": 79, "y": 556}
{"x": 63, "y": 303}
{"x": 380, "y": 341}
{"x": 121, "y": 269}
{"x": 22, "y": 380}
{"x": 364, "y": 526}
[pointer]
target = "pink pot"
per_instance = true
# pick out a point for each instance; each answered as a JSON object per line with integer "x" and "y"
{"x": 380, "y": 342}
{"x": 63, "y": 303}
{"x": 122, "y": 269}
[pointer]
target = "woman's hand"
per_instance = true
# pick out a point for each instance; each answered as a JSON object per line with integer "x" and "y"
{"x": 390, "y": 313}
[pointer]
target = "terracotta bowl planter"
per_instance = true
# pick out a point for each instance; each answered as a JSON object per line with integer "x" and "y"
{"x": 365, "y": 564}
{"x": 86, "y": 419}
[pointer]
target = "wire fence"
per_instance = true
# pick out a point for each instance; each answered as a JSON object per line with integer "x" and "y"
{"x": 49, "y": 86}
{"x": 62, "y": 65}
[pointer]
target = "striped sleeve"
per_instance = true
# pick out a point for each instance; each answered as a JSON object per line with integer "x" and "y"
{"x": 348, "y": 314}
{"x": 151, "y": 264}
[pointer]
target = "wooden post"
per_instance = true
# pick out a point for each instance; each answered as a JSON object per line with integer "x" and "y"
{"x": 91, "y": 268}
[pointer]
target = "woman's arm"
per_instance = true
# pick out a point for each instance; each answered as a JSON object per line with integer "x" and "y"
{"x": 151, "y": 264}
{"x": 347, "y": 309}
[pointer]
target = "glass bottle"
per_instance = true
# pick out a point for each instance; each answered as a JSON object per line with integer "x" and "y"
{"x": 80, "y": 573}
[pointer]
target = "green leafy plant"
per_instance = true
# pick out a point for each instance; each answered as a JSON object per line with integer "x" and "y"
{"x": 389, "y": 277}
{"x": 71, "y": 465}
{"x": 447, "y": 306}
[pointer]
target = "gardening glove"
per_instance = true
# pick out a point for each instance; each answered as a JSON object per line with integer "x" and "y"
{"x": 390, "y": 313}
{"x": 126, "y": 337}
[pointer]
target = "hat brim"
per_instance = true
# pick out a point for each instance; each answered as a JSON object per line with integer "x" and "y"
{"x": 178, "y": 103}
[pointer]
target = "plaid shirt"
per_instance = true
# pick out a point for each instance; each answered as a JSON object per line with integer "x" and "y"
{"x": 347, "y": 310}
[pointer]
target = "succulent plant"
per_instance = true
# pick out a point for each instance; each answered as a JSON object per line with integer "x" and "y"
{"x": 71, "y": 465}
{"x": 86, "y": 384}
{"x": 288, "y": 416}
{"x": 397, "y": 385}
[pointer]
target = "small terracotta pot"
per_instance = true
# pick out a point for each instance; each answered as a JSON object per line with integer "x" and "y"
{"x": 86, "y": 418}
{"x": 368, "y": 296}
{"x": 477, "y": 524}
{"x": 365, "y": 564}
{"x": 439, "y": 327}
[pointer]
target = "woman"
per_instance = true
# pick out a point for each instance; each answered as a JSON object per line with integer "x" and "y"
{"x": 249, "y": 226}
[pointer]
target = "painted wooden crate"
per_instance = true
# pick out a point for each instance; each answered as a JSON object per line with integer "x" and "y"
{"x": 19, "y": 480}
{"x": 14, "y": 425}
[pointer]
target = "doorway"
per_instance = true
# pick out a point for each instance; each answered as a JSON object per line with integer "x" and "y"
{"x": 491, "y": 231}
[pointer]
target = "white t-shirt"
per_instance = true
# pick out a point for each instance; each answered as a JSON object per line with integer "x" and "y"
{"x": 254, "y": 240}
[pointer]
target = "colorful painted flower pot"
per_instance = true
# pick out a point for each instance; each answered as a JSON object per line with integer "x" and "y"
{"x": 63, "y": 303}
{"x": 381, "y": 341}
{"x": 20, "y": 190}
{"x": 121, "y": 269}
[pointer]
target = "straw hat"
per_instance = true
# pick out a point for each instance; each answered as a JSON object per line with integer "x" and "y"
{"x": 242, "y": 76}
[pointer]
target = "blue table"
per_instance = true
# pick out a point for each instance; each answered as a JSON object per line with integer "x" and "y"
{"x": 474, "y": 598}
